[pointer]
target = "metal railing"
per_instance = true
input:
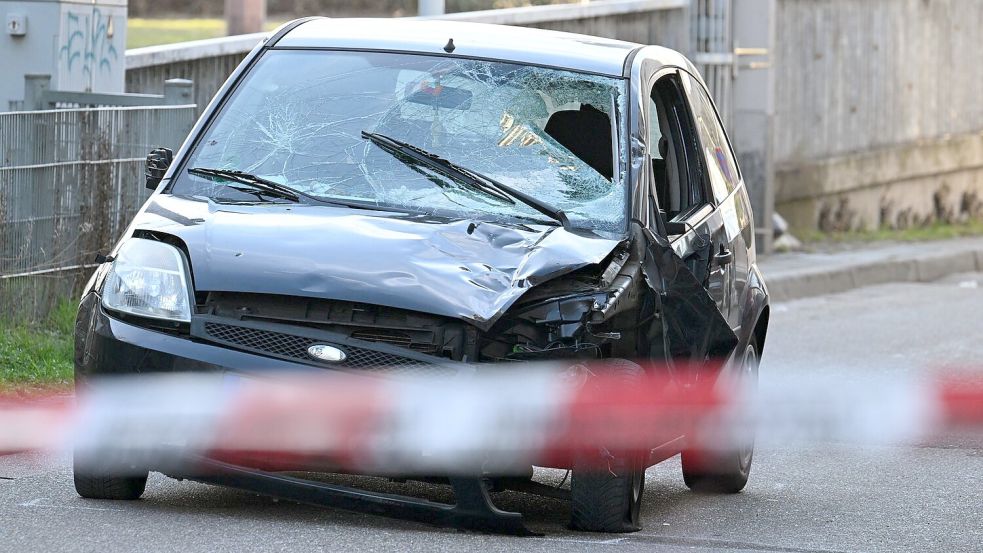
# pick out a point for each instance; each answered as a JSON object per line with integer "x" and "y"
{"x": 38, "y": 95}
{"x": 70, "y": 181}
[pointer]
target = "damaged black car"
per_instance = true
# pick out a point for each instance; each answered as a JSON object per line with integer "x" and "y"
{"x": 415, "y": 197}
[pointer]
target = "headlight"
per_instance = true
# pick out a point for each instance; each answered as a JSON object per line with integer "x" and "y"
{"x": 149, "y": 279}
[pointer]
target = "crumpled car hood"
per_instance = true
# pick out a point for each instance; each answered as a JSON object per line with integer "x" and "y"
{"x": 411, "y": 262}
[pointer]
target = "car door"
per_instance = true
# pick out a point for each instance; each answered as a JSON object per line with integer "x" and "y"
{"x": 684, "y": 228}
{"x": 730, "y": 259}
{"x": 683, "y": 191}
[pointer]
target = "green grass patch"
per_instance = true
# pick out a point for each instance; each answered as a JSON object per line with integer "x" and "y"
{"x": 150, "y": 32}
{"x": 937, "y": 231}
{"x": 38, "y": 355}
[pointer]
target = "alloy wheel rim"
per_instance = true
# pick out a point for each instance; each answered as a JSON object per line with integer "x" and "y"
{"x": 749, "y": 379}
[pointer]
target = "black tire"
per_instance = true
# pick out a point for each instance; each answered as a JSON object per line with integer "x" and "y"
{"x": 108, "y": 486}
{"x": 724, "y": 471}
{"x": 609, "y": 499}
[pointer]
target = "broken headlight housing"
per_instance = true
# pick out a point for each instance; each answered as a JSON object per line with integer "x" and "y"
{"x": 149, "y": 279}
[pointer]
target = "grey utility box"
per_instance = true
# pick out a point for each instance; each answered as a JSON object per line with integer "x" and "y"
{"x": 81, "y": 44}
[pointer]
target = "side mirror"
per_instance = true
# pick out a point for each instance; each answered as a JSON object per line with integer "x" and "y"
{"x": 158, "y": 160}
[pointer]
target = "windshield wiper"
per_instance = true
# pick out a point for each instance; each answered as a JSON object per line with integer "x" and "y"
{"x": 266, "y": 186}
{"x": 433, "y": 161}
{"x": 272, "y": 188}
{"x": 481, "y": 182}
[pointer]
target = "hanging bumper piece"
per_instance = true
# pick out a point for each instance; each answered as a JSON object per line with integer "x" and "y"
{"x": 473, "y": 510}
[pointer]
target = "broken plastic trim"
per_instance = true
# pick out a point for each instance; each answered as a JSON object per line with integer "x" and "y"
{"x": 473, "y": 508}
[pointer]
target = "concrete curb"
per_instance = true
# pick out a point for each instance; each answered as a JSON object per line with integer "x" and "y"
{"x": 802, "y": 275}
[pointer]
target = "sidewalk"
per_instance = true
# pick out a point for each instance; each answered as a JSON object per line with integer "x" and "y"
{"x": 804, "y": 274}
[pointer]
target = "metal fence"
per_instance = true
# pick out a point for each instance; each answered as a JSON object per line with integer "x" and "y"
{"x": 70, "y": 181}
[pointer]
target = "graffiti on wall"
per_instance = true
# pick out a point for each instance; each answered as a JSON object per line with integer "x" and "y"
{"x": 87, "y": 50}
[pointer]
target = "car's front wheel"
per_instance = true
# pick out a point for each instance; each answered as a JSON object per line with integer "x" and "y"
{"x": 725, "y": 469}
{"x": 92, "y": 484}
{"x": 606, "y": 487}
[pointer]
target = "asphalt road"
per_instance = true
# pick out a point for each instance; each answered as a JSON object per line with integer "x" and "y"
{"x": 823, "y": 498}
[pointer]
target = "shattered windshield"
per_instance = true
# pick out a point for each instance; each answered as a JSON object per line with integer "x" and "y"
{"x": 299, "y": 119}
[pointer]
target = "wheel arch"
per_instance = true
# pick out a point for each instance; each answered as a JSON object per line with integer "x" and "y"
{"x": 757, "y": 310}
{"x": 761, "y": 328}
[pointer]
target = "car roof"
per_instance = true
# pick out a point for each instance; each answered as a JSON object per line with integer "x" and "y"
{"x": 475, "y": 40}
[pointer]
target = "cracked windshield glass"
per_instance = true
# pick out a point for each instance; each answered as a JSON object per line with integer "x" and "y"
{"x": 299, "y": 118}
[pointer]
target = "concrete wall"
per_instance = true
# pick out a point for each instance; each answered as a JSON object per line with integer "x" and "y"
{"x": 877, "y": 112}
{"x": 209, "y": 62}
{"x": 753, "y": 115}
{"x": 662, "y": 22}
{"x": 205, "y": 62}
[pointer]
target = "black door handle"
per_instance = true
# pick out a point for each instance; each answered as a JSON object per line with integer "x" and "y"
{"x": 725, "y": 256}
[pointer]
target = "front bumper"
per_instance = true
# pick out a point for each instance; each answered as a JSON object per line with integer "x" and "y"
{"x": 109, "y": 346}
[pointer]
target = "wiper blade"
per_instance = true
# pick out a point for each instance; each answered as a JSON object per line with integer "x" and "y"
{"x": 420, "y": 156}
{"x": 259, "y": 183}
{"x": 273, "y": 188}
{"x": 477, "y": 180}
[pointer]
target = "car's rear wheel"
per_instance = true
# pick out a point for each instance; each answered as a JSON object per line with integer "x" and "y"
{"x": 93, "y": 484}
{"x": 606, "y": 487}
{"x": 725, "y": 469}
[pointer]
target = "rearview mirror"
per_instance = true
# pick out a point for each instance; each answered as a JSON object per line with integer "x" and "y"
{"x": 442, "y": 97}
{"x": 158, "y": 160}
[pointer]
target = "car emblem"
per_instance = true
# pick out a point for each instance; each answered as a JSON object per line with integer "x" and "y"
{"x": 323, "y": 352}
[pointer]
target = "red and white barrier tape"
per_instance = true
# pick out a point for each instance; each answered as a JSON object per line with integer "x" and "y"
{"x": 511, "y": 416}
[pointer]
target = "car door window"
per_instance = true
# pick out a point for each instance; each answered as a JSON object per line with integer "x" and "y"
{"x": 657, "y": 150}
{"x": 722, "y": 169}
{"x": 678, "y": 175}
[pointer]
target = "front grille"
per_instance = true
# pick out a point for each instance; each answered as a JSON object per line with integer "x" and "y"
{"x": 417, "y": 332}
{"x": 279, "y": 344}
{"x": 394, "y": 338}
